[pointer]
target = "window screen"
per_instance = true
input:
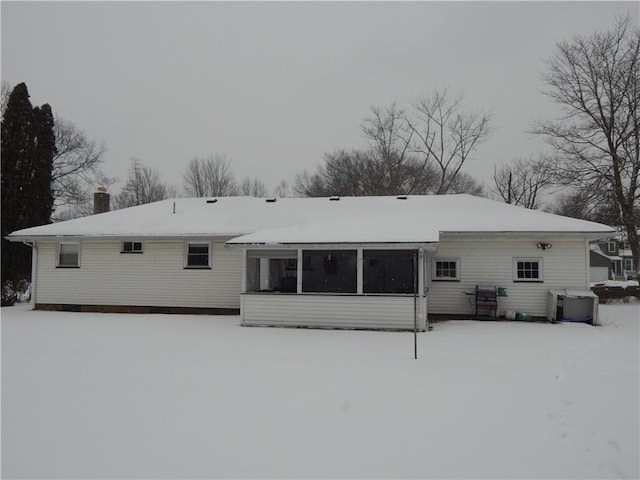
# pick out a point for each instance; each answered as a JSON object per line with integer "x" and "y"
{"x": 329, "y": 271}
{"x": 388, "y": 271}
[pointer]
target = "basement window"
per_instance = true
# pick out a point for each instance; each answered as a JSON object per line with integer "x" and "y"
{"x": 68, "y": 255}
{"x": 527, "y": 270}
{"x": 197, "y": 255}
{"x": 131, "y": 247}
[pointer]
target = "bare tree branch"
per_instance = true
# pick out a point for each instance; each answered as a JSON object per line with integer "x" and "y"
{"x": 210, "y": 177}
{"x": 596, "y": 81}
{"x": 445, "y": 134}
{"x": 523, "y": 182}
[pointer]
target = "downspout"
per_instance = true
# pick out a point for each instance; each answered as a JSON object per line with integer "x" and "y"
{"x": 34, "y": 269}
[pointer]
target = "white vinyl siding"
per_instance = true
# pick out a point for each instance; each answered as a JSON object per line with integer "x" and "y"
{"x": 489, "y": 261}
{"x": 341, "y": 311}
{"x": 157, "y": 278}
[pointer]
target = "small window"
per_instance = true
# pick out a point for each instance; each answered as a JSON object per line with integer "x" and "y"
{"x": 69, "y": 255}
{"x": 131, "y": 247}
{"x": 445, "y": 269}
{"x": 627, "y": 246}
{"x": 612, "y": 247}
{"x": 527, "y": 269}
{"x": 198, "y": 255}
{"x": 628, "y": 264}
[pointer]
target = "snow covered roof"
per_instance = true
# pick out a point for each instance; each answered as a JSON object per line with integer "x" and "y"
{"x": 317, "y": 220}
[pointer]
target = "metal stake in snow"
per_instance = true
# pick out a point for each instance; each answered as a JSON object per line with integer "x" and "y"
{"x": 415, "y": 306}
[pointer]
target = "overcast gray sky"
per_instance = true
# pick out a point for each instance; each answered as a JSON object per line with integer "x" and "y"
{"x": 274, "y": 86}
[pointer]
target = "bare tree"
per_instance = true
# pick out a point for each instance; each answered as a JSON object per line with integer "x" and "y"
{"x": 596, "y": 81}
{"x": 5, "y": 92}
{"x": 253, "y": 188}
{"x": 523, "y": 182}
{"x": 82, "y": 194}
{"x": 446, "y": 134}
{"x": 465, "y": 183}
{"x": 76, "y": 169}
{"x": 209, "y": 177}
{"x": 283, "y": 190}
{"x": 143, "y": 186}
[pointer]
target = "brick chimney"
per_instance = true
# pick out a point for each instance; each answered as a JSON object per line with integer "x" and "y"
{"x": 101, "y": 201}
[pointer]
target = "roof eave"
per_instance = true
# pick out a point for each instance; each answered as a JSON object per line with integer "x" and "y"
{"x": 590, "y": 235}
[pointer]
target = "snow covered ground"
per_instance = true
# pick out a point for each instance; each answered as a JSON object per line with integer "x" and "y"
{"x": 162, "y": 396}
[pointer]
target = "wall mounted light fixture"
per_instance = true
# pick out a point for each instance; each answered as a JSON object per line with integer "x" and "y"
{"x": 544, "y": 246}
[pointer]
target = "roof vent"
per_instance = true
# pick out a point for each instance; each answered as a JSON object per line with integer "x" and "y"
{"x": 401, "y": 197}
{"x": 213, "y": 200}
{"x": 270, "y": 200}
{"x": 334, "y": 199}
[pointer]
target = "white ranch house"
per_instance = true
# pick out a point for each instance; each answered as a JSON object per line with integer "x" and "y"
{"x": 352, "y": 262}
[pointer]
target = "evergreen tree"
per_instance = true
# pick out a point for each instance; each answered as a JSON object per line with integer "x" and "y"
{"x": 28, "y": 147}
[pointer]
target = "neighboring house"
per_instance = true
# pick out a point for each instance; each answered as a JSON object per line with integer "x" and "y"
{"x": 618, "y": 250}
{"x": 355, "y": 262}
{"x": 600, "y": 265}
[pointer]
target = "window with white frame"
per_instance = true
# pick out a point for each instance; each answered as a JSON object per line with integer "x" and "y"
{"x": 626, "y": 246}
{"x": 198, "y": 255}
{"x": 612, "y": 247}
{"x": 527, "y": 270}
{"x": 445, "y": 269}
{"x": 628, "y": 264}
{"x": 131, "y": 247}
{"x": 68, "y": 255}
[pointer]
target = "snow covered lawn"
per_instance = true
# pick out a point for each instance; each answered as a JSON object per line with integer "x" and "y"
{"x": 163, "y": 396}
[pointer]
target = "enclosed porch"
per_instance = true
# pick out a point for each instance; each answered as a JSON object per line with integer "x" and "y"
{"x": 368, "y": 287}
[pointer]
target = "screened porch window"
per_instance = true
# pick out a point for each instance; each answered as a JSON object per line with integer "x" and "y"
{"x": 388, "y": 271}
{"x": 329, "y": 271}
{"x": 272, "y": 274}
